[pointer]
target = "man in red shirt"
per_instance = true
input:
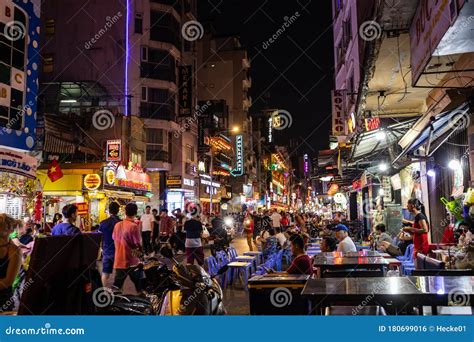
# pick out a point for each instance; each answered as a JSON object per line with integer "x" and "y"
{"x": 127, "y": 238}
{"x": 301, "y": 263}
{"x": 166, "y": 225}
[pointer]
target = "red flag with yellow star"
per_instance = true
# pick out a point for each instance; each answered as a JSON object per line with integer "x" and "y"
{"x": 54, "y": 171}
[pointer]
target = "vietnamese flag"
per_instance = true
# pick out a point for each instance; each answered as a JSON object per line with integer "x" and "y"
{"x": 54, "y": 171}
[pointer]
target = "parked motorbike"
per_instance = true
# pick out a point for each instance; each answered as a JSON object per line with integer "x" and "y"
{"x": 184, "y": 290}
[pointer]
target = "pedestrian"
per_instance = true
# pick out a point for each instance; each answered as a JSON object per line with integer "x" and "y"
{"x": 249, "y": 228}
{"x": 106, "y": 227}
{"x": 276, "y": 219}
{"x": 156, "y": 230}
{"x": 126, "y": 236}
{"x": 147, "y": 221}
{"x": 166, "y": 226}
{"x": 68, "y": 226}
{"x": 194, "y": 250}
{"x": 180, "y": 235}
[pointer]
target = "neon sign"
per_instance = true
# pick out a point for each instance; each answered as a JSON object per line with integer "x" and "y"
{"x": 239, "y": 152}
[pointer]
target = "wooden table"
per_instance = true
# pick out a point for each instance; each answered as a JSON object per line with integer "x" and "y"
{"x": 393, "y": 293}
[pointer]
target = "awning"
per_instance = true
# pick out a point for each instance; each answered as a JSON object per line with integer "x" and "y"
{"x": 435, "y": 132}
{"x": 371, "y": 143}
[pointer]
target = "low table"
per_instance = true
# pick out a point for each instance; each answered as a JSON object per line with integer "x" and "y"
{"x": 337, "y": 263}
{"x": 257, "y": 254}
{"x": 394, "y": 293}
{"x": 248, "y": 258}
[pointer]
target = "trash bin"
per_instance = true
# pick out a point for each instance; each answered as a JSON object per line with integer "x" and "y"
{"x": 278, "y": 294}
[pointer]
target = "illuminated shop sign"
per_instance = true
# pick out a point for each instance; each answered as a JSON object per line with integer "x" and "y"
{"x": 114, "y": 150}
{"x": 239, "y": 155}
{"x": 18, "y": 163}
{"x": 338, "y": 112}
{"x": 92, "y": 181}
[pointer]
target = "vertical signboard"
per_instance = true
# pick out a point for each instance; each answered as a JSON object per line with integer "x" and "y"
{"x": 185, "y": 96}
{"x": 19, "y": 68}
{"x": 338, "y": 112}
{"x": 239, "y": 156}
{"x": 114, "y": 151}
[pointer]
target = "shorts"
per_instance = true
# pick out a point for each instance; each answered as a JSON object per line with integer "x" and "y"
{"x": 107, "y": 264}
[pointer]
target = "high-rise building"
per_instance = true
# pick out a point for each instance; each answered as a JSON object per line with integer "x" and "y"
{"x": 127, "y": 62}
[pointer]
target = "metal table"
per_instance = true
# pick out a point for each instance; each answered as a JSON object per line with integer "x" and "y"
{"x": 395, "y": 294}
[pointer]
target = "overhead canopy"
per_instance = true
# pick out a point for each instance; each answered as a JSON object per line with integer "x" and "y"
{"x": 436, "y": 131}
{"x": 372, "y": 143}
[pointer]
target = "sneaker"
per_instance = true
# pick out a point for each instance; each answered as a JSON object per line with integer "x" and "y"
{"x": 180, "y": 253}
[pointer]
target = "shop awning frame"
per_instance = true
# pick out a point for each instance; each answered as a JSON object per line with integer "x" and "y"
{"x": 367, "y": 144}
{"x": 435, "y": 132}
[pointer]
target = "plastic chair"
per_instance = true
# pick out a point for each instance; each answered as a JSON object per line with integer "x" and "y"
{"x": 278, "y": 260}
{"x": 222, "y": 259}
{"x": 212, "y": 265}
{"x": 232, "y": 253}
{"x": 408, "y": 253}
{"x": 408, "y": 265}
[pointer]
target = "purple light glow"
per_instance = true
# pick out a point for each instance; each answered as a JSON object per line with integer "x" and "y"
{"x": 127, "y": 55}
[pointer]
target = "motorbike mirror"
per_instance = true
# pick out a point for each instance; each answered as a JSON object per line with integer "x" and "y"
{"x": 166, "y": 252}
{"x": 223, "y": 269}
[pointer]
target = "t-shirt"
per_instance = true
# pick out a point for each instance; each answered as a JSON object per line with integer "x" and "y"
{"x": 193, "y": 230}
{"x": 65, "y": 228}
{"x": 147, "y": 222}
{"x": 346, "y": 245}
{"x": 281, "y": 239}
{"x": 126, "y": 237}
{"x": 106, "y": 227}
{"x": 276, "y": 220}
{"x": 166, "y": 225}
{"x": 384, "y": 237}
{"x": 301, "y": 265}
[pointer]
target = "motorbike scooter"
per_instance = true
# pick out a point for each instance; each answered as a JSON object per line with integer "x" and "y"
{"x": 184, "y": 290}
{"x": 199, "y": 293}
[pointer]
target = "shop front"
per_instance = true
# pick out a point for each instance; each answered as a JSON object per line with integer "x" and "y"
{"x": 17, "y": 183}
{"x": 180, "y": 192}
{"x": 126, "y": 184}
{"x": 77, "y": 184}
{"x": 209, "y": 191}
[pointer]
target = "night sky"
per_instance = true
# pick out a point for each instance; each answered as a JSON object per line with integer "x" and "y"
{"x": 294, "y": 73}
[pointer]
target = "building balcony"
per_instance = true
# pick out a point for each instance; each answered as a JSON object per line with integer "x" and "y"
{"x": 245, "y": 63}
{"x": 152, "y": 71}
{"x": 247, "y": 103}
{"x": 247, "y": 83}
{"x": 172, "y": 3}
{"x": 157, "y": 160}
